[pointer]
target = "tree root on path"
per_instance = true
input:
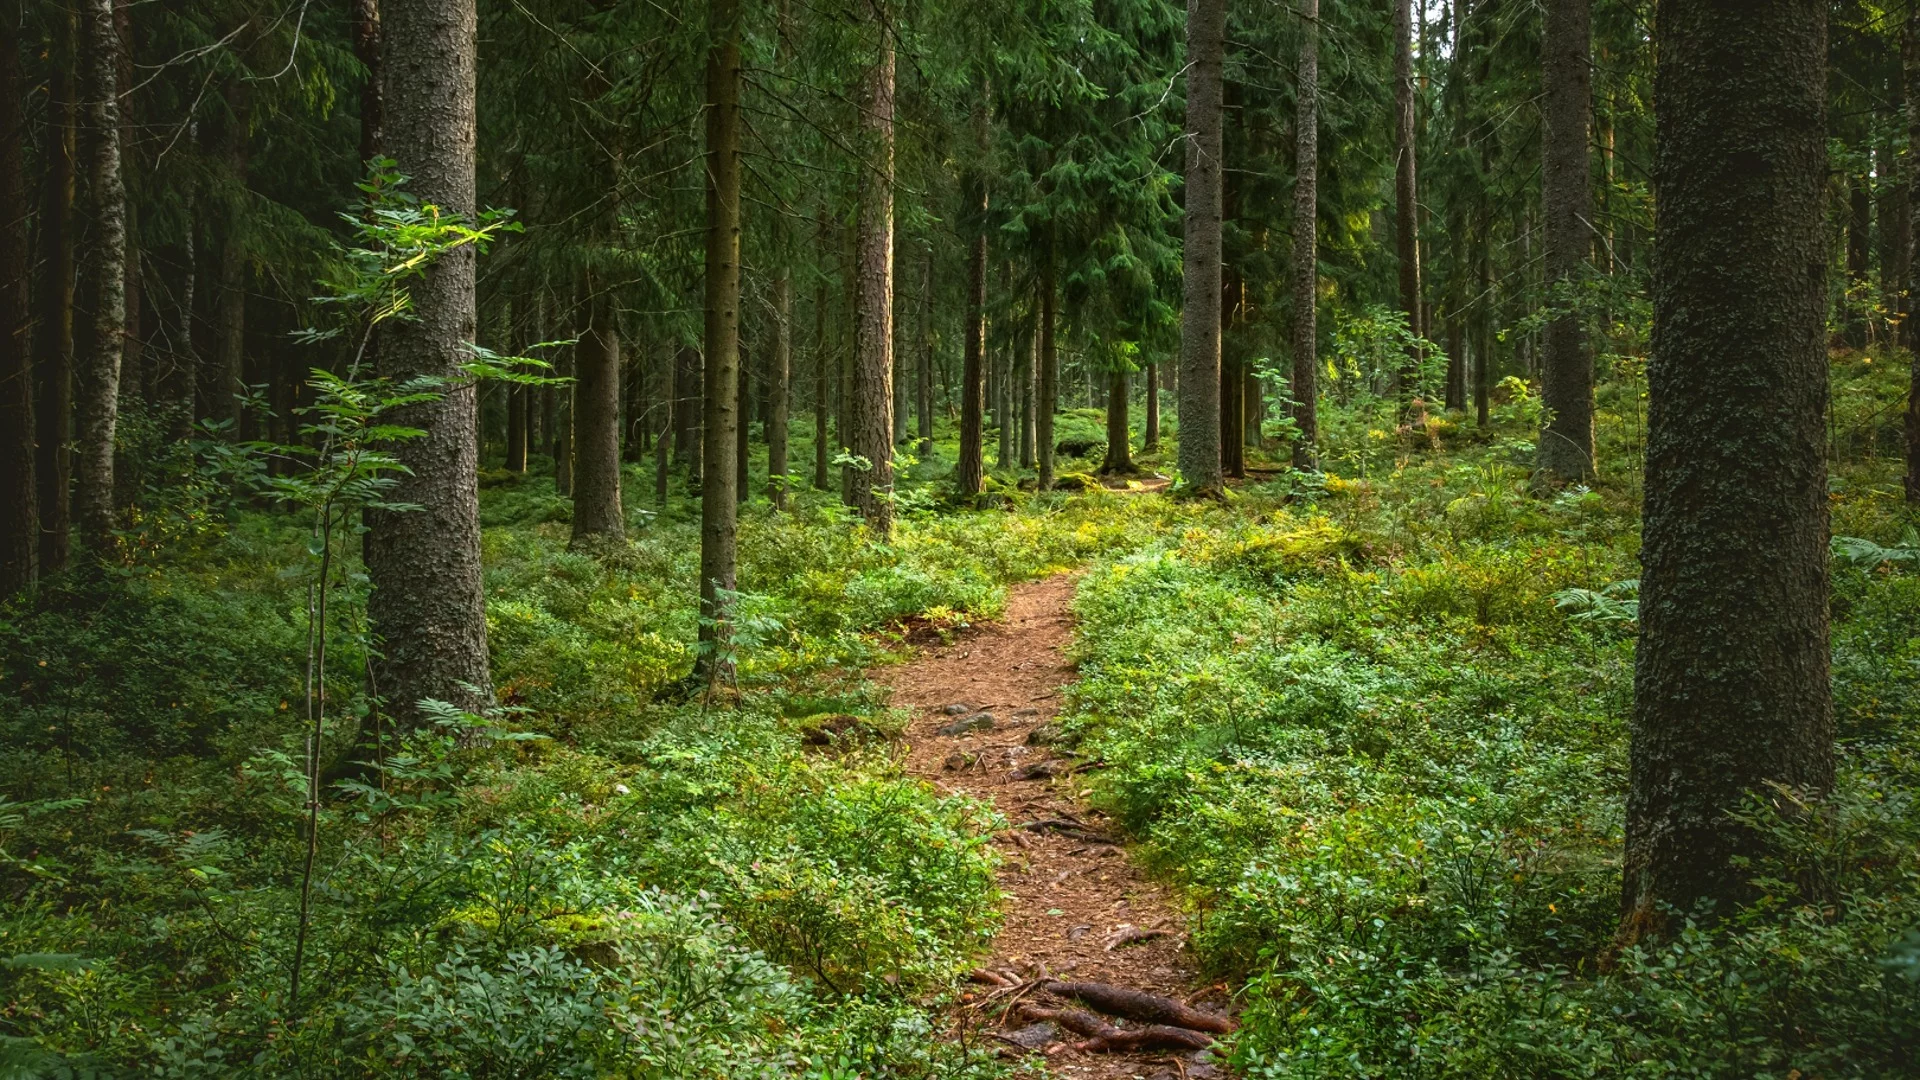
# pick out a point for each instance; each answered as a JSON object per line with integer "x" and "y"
{"x": 1138, "y": 1005}
{"x": 1102, "y": 1036}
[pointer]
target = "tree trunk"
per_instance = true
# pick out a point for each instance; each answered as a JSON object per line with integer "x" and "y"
{"x": 1233, "y": 414}
{"x": 718, "y": 508}
{"x": 1003, "y": 401}
{"x": 663, "y": 449}
{"x": 563, "y": 421}
{"x": 1304, "y": 387}
{"x": 923, "y": 381}
{"x": 517, "y": 428}
{"x": 106, "y": 270}
{"x": 970, "y": 469}
{"x": 19, "y": 498}
{"x": 1200, "y": 439}
{"x": 822, "y": 390}
{"x": 597, "y": 514}
{"x": 1028, "y": 358}
{"x": 427, "y": 610}
{"x": 1119, "y": 459}
{"x": 132, "y": 352}
{"x": 873, "y": 315}
{"x": 1566, "y": 370}
{"x": 1406, "y": 202}
{"x": 1150, "y": 441}
{"x": 1859, "y": 259}
{"x": 231, "y": 318}
{"x": 1901, "y": 227}
{"x": 53, "y": 345}
{"x": 779, "y": 376}
{"x": 743, "y": 427}
{"x": 366, "y": 49}
{"x": 1047, "y": 380}
{"x": 1731, "y": 675}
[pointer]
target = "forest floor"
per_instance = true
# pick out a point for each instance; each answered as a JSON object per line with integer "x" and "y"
{"x": 1076, "y": 908}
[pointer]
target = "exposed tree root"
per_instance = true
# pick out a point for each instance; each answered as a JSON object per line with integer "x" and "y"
{"x": 1138, "y": 1005}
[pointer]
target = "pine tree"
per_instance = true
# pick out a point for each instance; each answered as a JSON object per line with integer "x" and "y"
{"x": 718, "y": 505}
{"x": 1200, "y": 405}
{"x": 872, "y": 406}
{"x": 1731, "y": 677}
{"x": 1566, "y": 449}
{"x": 1306, "y": 248}
{"x": 426, "y": 610}
{"x": 19, "y": 498}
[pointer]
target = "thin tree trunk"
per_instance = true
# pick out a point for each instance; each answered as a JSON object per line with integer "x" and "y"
{"x": 19, "y": 497}
{"x": 669, "y": 409}
{"x": 1406, "y": 220}
{"x": 132, "y": 352}
{"x": 1731, "y": 674}
{"x": 231, "y": 319}
{"x": 873, "y": 314}
{"x": 1305, "y": 387}
{"x": 366, "y": 49}
{"x": 718, "y": 508}
{"x": 563, "y": 421}
{"x": 1200, "y": 436}
{"x": 779, "y": 381}
{"x": 1907, "y": 171}
{"x": 99, "y": 373}
{"x": 1566, "y": 449}
{"x": 923, "y": 382}
{"x": 1859, "y": 258}
{"x": 1119, "y": 459}
{"x": 1003, "y": 406}
{"x": 597, "y": 514}
{"x": 1233, "y": 415}
{"x": 53, "y": 345}
{"x": 743, "y": 427}
{"x": 1027, "y": 357}
{"x": 1047, "y": 379}
{"x": 970, "y": 470}
{"x": 822, "y": 389}
{"x": 427, "y": 609}
{"x": 1150, "y": 441}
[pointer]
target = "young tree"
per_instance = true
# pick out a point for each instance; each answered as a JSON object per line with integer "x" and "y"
{"x": 779, "y": 376}
{"x": 1200, "y": 446}
{"x": 718, "y": 506}
{"x": 426, "y": 609}
{"x": 597, "y": 514}
{"x": 53, "y": 305}
{"x": 872, "y": 410}
{"x": 1731, "y": 677}
{"x": 970, "y": 470}
{"x": 106, "y": 271}
{"x": 1406, "y": 194}
{"x": 1306, "y": 246}
{"x": 1566, "y": 369}
{"x": 19, "y": 500}
{"x": 1046, "y": 381}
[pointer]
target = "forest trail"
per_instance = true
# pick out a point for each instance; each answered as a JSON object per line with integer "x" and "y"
{"x": 1076, "y": 907}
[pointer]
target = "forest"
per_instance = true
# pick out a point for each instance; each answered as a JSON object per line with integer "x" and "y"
{"x": 857, "y": 539}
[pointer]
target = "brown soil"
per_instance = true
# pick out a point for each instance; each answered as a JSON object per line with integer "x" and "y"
{"x": 1069, "y": 895}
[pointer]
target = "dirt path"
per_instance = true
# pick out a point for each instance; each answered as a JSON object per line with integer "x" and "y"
{"x": 1070, "y": 895}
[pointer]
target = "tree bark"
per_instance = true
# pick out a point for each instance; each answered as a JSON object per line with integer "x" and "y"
{"x": 597, "y": 513}
{"x": 1859, "y": 258}
{"x": 1233, "y": 414}
{"x": 923, "y": 381}
{"x": 1406, "y": 221}
{"x": 53, "y": 345}
{"x": 1047, "y": 379}
{"x": 718, "y": 507}
{"x": 1119, "y": 459}
{"x": 1026, "y": 359}
{"x": 562, "y": 427}
{"x": 1150, "y": 440}
{"x": 873, "y": 314}
{"x": 1908, "y": 172}
{"x": 970, "y": 470}
{"x": 231, "y": 318}
{"x": 99, "y": 373}
{"x": 427, "y": 609}
{"x": 1566, "y": 451}
{"x": 822, "y": 389}
{"x": 779, "y": 377}
{"x": 663, "y": 449}
{"x": 1731, "y": 676}
{"x": 1200, "y": 439}
{"x": 19, "y": 497}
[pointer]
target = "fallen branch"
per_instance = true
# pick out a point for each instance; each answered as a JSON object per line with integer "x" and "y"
{"x": 1152, "y": 1037}
{"x": 1137, "y": 1005}
{"x": 1066, "y": 828}
{"x": 1075, "y": 1020}
{"x": 1132, "y": 935}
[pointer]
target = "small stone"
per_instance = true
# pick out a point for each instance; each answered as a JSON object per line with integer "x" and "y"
{"x": 957, "y": 762}
{"x": 976, "y": 722}
{"x": 1033, "y": 1036}
{"x": 1078, "y": 932}
{"x": 955, "y": 709}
